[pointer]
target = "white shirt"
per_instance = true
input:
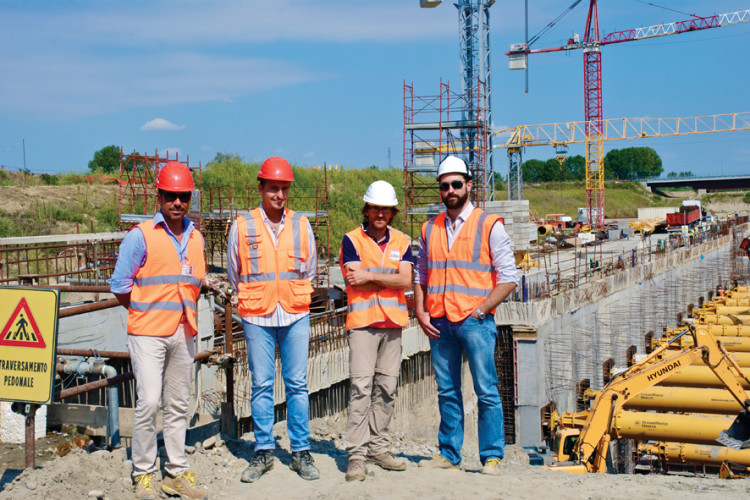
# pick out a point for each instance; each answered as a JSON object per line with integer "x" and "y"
{"x": 279, "y": 317}
{"x": 501, "y": 252}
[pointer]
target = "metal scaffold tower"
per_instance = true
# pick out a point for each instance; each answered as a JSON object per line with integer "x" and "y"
{"x": 430, "y": 133}
{"x": 451, "y": 123}
{"x": 137, "y": 195}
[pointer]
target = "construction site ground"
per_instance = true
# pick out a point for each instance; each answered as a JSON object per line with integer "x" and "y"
{"x": 219, "y": 464}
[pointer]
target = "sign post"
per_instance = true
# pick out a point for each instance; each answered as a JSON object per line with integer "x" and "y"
{"x": 28, "y": 341}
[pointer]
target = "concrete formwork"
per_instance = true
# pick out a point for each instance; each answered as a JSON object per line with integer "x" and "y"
{"x": 577, "y": 330}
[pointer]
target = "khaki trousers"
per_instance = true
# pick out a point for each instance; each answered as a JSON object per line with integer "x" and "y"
{"x": 162, "y": 367}
{"x": 374, "y": 366}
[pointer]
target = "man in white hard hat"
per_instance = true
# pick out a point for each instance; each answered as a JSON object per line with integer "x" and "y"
{"x": 465, "y": 268}
{"x": 376, "y": 262}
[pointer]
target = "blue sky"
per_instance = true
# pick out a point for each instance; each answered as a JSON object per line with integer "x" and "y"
{"x": 322, "y": 80}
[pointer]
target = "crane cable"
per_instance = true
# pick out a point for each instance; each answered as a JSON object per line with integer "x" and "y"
{"x": 552, "y": 23}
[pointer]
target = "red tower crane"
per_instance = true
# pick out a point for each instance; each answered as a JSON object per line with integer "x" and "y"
{"x": 592, "y": 84}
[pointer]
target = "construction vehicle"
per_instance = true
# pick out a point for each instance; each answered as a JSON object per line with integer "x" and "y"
{"x": 588, "y": 453}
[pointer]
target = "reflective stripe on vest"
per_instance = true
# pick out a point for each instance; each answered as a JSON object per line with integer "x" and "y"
{"x": 161, "y": 296}
{"x": 459, "y": 279}
{"x": 271, "y": 275}
{"x": 367, "y": 307}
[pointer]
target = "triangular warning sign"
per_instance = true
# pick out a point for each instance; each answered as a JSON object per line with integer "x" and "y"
{"x": 21, "y": 329}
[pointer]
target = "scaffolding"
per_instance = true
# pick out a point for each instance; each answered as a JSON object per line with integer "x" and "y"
{"x": 434, "y": 127}
{"x": 137, "y": 196}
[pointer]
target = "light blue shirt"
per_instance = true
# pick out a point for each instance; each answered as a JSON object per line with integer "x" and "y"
{"x": 132, "y": 254}
{"x": 279, "y": 317}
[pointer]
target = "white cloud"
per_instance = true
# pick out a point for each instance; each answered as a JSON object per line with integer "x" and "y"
{"x": 160, "y": 124}
{"x": 309, "y": 154}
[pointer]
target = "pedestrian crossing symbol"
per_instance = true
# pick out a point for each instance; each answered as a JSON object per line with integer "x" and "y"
{"x": 21, "y": 329}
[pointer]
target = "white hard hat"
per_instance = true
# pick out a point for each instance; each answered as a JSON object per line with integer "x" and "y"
{"x": 453, "y": 165}
{"x": 382, "y": 194}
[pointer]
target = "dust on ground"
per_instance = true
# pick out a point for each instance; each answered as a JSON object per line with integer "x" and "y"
{"x": 219, "y": 462}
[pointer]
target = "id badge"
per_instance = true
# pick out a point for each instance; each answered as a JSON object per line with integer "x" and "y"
{"x": 395, "y": 255}
{"x": 187, "y": 269}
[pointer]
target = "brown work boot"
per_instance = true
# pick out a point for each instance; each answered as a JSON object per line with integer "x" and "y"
{"x": 438, "y": 462}
{"x": 183, "y": 486}
{"x": 144, "y": 488}
{"x": 386, "y": 461}
{"x": 356, "y": 470}
{"x": 492, "y": 467}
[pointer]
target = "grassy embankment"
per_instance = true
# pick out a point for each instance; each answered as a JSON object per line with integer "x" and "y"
{"x": 54, "y": 204}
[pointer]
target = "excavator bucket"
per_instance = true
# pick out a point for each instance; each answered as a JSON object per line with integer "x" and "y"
{"x": 737, "y": 436}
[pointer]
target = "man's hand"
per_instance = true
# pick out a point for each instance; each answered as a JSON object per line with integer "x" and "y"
{"x": 427, "y": 327}
{"x": 358, "y": 277}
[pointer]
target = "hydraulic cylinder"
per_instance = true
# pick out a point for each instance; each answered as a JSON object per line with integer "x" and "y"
{"x": 718, "y": 330}
{"x": 724, "y": 319}
{"x": 686, "y": 428}
{"x": 732, "y": 344}
{"x": 698, "y": 376}
{"x": 687, "y": 399}
{"x": 682, "y": 453}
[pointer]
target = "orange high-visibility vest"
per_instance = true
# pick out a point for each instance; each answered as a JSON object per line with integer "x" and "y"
{"x": 273, "y": 275}
{"x": 165, "y": 290}
{"x": 366, "y": 307}
{"x": 459, "y": 279}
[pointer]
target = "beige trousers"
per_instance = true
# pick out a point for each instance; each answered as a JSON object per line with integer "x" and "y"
{"x": 374, "y": 366}
{"x": 162, "y": 368}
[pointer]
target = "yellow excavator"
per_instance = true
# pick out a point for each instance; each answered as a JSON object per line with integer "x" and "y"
{"x": 582, "y": 445}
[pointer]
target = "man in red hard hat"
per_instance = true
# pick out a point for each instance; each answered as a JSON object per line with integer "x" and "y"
{"x": 158, "y": 276}
{"x": 272, "y": 261}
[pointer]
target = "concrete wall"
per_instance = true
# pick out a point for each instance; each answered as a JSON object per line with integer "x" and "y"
{"x": 579, "y": 329}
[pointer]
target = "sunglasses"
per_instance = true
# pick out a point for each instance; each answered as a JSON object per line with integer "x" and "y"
{"x": 169, "y": 196}
{"x": 385, "y": 210}
{"x": 453, "y": 184}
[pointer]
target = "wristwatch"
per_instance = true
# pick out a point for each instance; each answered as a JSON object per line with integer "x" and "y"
{"x": 481, "y": 314}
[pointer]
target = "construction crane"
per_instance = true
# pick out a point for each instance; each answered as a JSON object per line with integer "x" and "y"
{"x": 474, "y": 34}
{"x": 592, "y": 89}
{"x": 617, "y": 129}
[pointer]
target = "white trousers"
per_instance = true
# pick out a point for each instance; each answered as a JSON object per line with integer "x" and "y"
{"x": 162, "y": 367}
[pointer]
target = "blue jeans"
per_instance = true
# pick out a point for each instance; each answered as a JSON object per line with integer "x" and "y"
{"x": 475, "y": 338}
{"x": 293, "y": 342}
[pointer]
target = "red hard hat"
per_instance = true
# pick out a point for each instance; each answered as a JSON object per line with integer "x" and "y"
{"x": 276, "y": 169}
{"x": 176, "y": 177}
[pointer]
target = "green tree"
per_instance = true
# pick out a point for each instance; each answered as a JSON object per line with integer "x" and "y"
{"x": 632, "y": 163}
{"x": 106, "y": 160}
{"x": 574, "y": 168}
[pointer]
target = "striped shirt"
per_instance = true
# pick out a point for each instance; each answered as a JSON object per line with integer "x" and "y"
{"x": 279, "y": 317}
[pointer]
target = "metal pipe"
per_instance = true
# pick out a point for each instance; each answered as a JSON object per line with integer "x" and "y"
{"x": 77, "y": 288}
{"x": 91, "y": 386}
{"x": 201, "y": 356}
{"x": 690, "y": 428}
{"x": 698, "y": 376}
{"x": 95, "y": 306}
{"x": 680, "y": 453}
{"x": 93, "y": 352}
{"x": 113, "y": 397}
{"x": 686, "y": 399}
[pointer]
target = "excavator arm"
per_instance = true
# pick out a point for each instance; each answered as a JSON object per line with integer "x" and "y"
{"x": 590, "y": 450}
